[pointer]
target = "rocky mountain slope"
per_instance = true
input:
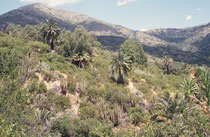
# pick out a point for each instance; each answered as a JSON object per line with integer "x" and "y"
{"x": 37, "y": 13}
{"x": 178, "y": 43}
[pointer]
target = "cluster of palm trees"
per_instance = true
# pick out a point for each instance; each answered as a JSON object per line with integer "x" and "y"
{"x": 121, "y": 63}
{"x": 50, "y": 33}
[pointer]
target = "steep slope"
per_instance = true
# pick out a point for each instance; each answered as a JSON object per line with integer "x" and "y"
{"x": 186, "y": 35}
{"x": 203, "y": 45}
{"x": 37, "y": 13}
{"x": 191, "y": 45}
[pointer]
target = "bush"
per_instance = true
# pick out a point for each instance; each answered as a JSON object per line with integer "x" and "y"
{"x": 62, "y": 102}
{"x": 65, "y": 127}
{"x": 88, "y": 111}
{"x": 117, "y": 95}
{"x": 42, "y": 88}
{"x": 48, "y": 76}
{"x": 135, "y": 51}
{"x": 88, "y": 128}
{"x": 137, "y": 115}
{"x": 33, "y": 87}
{"x": 192, "y": 122}
{"x": 93, "y": 128}
{"x": 9, "y": 61}
{"x": 39, "y": 47}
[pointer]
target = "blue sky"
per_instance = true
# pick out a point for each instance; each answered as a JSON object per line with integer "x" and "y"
{"x": 134, "y": 14}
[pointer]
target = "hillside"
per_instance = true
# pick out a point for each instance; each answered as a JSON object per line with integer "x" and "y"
{"x": 80, "y": 89}
{"x": 178, "y": 43}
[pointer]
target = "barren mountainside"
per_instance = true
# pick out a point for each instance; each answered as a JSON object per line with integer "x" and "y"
{"x": 192, "y": 42}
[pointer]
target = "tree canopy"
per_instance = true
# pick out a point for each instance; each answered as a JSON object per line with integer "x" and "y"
{"x": 135, "y": 51}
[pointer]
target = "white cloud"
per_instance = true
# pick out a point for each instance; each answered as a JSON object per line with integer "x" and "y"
{"x": 198, "y": 9}
{"x": 143, "y": 29}
{"x": 52, "y": 3}
{"x": 189, "y": 17}
{"x": 124, "y": 2}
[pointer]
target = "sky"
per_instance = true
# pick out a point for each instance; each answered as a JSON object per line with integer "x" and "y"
{"x": 134, "y": 14}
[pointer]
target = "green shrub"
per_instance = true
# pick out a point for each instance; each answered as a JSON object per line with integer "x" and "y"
{"x": 93, "y": 127}
{"x": 33, "y": 86}
{"x": 65, "y": 127}
{"x": 137, "y": 115}
{"x": 88, "y": 111}
{"x": 87, "y": 128}
{"x": 39, "y": 47}
{"x": 117, "y": 95}
{"x": 42, "y": 88}
{"x": 135, "y": 51}
{"x": 192, "y": 122}
{"x": 9, "y": 61}
{"x": 49, "y": 76}
{"x": 125, "y": 133}
{"x": 102, "y": 130}
{"x": 62, "y": 102}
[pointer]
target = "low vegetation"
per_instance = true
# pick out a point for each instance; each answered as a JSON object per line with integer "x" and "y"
{"x": 81, "y": 89}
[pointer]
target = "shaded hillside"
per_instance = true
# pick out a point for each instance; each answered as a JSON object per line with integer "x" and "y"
{"x": 180, "y": 35}
{"x": 177, "y": 54}
{"x": 204, "y": 46}
{"x": 111, "y": 42}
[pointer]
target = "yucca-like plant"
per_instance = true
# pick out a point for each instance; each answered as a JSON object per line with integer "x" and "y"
{"x": 121, "y": 64}
{"x": 170, "y": 105}
{"x": 132, "y": 100}
{"x": 10, "y": 130}
{"x": 204, "y": 78}
{"x": 115, "y": 116}
{"x": 42, "y": 116}
{"x": 167, "y": 61}
{"x": 189, "y": 87}
{"x": 104, "y": 110}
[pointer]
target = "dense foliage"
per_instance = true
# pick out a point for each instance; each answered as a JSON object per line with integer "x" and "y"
{"x": 72, "y": 91}
{"x": 135, "y": 51}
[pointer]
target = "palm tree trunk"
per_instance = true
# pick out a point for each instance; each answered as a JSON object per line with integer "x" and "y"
{"x": 51, "y": 43}
{"x": 120, "y": 79}
{"x": 168, "y": 69}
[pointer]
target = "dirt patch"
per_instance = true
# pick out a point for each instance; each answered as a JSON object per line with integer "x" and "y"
{"x": 133, "y": 89}
{"x": 75, "y": 103}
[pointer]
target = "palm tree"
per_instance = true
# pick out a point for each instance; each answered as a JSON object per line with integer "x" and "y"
{"x": 121, "y": 64}
{"x": 167, "y": 64}
{"x": 81, "y": 60}
{"x": 50, "y": 32}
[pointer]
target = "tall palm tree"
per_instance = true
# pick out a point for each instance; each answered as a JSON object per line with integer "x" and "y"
{"x": 167, "y": 63}
{"x": 121, "y": 64}
{"x": 50, "y": 32}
